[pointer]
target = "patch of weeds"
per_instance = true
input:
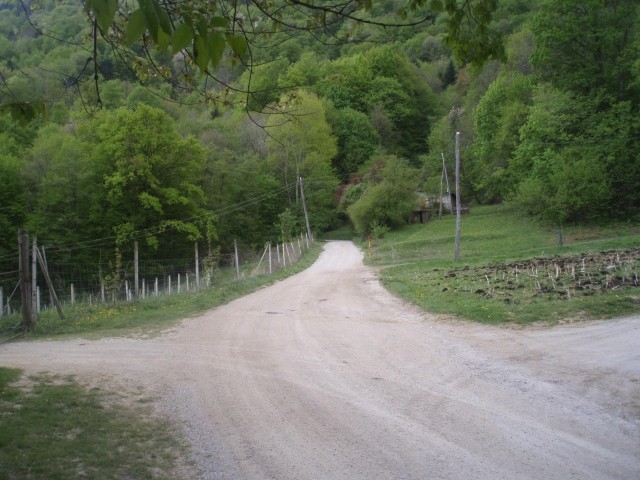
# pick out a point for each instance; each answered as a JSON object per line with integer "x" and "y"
{"x": 53, "y": 428}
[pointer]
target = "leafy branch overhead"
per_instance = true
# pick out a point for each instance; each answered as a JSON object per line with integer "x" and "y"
{"x": 205, "y": 31}
{"x": 209, "y": 29}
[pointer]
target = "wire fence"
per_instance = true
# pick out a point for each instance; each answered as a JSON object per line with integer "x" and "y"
{"x": 122, "y": 280}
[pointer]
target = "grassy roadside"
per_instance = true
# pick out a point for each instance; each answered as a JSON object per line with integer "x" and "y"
{"x": 148, "y": 316}
{"x": 53, "y": 428}
{"x": 511, "y": 269}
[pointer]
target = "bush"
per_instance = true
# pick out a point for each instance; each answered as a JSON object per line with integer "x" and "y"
{"x": 390, "y": 201}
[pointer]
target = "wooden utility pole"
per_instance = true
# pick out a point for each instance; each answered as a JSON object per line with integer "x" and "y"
{"x": 235, "y": 248}
{"x": 34, "y": 277}
{"x": 456, "y": 254}
{"x": 441, "y": 182}
{"x": 304, "y": 208}
{"x": 28, "y": 319}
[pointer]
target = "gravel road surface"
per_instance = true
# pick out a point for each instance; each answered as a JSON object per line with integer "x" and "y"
{"x": 325, "y": 375}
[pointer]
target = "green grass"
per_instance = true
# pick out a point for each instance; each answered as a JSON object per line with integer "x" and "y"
{"x": 512, "y": 269}
{"x": 147, "y": 316}
{"x": 53, "y": 428}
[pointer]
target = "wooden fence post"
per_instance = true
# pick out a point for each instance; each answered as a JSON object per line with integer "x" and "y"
{"x": 197, "y": 268}
{"x": 52, "y": 292}
{"x": 25, "y": 279}
{"x": 136, "y": 272}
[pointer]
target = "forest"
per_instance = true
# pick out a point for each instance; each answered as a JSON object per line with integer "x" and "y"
{"x": 120, "y": 121}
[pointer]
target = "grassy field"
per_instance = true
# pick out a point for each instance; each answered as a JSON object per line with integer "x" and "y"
{"x": 512, "y": 269}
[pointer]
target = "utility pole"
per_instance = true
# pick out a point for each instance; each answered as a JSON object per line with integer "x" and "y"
{"x": 34, "y": 277}
{"x": 304, "y": 208}
{"x": 456, "y": 254}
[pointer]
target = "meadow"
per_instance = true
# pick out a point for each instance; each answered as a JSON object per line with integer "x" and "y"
{"x": 512, "y": 269}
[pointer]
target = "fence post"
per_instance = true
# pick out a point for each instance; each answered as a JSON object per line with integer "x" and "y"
{"x": 155, "y": 287}
{"x": 187, "y": 276}
{"x": 73, "y": 295}
{"x": 197, "y": 270}
{"x": 1, "y": 302}
{"x": 47, "y": 279}
{"x": 179, "y": 283}
{"x": 37, "y": 299}
{"x": 169, "y": 284}
{"x": 144, "y": 286}
{"x": 269, "y": 261}
{"x": 136, "y": 272}
{"x": 25, "y": 281}
{"x": 102, "y": 297}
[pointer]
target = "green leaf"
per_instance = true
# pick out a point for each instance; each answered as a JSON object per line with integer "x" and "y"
{"x": 238, "y": 44}
{"x": 151, "y": 19}
{"x": 215, "y": 44}
{"x": 163, "y": 18}
{"x": 182, "y": 37}
{"x": 201, "y": 53}
{"x": 218, "y": 22}
{"x": 104, "y": 11}
{"x": 437, "y": 5}
{"x": 136, "y": 26}
{"x": 163, "y": 40}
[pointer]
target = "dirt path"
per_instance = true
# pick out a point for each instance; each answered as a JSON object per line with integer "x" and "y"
{"x": 327, "y": 376}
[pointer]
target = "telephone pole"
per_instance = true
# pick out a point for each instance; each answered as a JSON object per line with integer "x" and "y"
{"x": 456, "y": 254}
{"x": 304, "y": 208}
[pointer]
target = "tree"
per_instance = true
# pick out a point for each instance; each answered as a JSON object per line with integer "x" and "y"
{"x": 12, "y": 199}
{"x": 304, "y": 147}
{"x": 151, "y": 186}
{"x": 387, "y": 199}
{"x": 497, "y": 121}
{"x": 201, "y": 35}
{"x": 62, "y": 179}
{"x": 356, "y": 137}
{"x": 563, "y": 169}
{"x": 587, "y": 46}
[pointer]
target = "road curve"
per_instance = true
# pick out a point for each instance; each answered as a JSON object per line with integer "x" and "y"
{"x": 325, "y": 375}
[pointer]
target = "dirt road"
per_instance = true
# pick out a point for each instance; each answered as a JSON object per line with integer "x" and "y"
{"x": 327, "y": 376}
